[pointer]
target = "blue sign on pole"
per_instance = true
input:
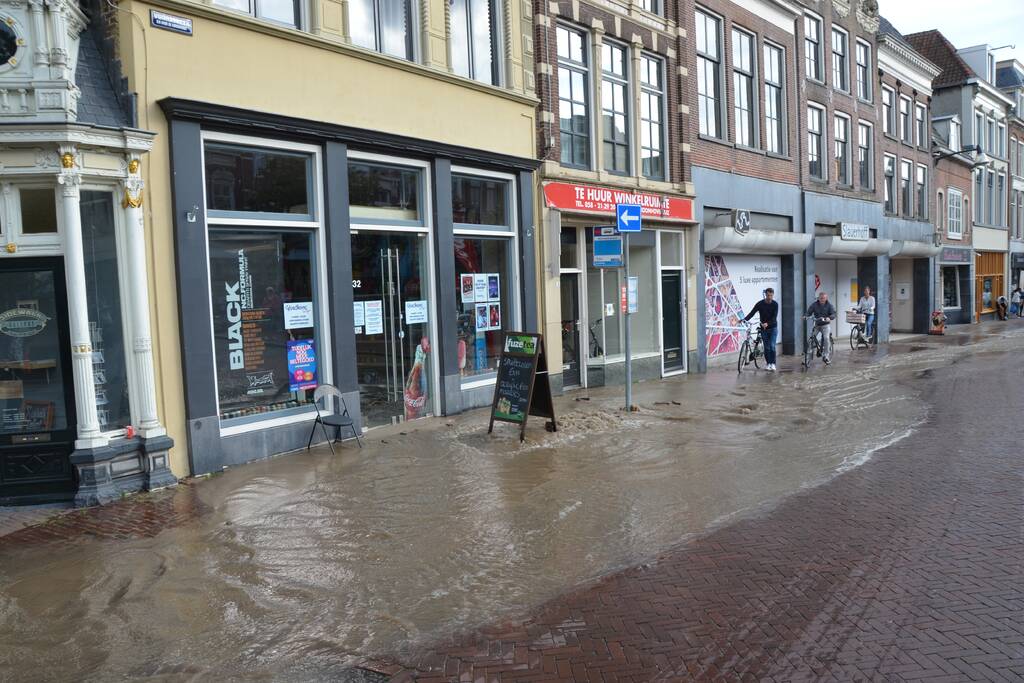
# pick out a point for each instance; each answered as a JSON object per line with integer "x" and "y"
{"x": 607, "y": 248}
{"x": 628, "y": 217}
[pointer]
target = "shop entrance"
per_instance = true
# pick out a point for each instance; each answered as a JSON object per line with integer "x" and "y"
{"x": 37, "y": 420}
{"x": 672, "y": 320}
{"x": 570, "y": 286}
{"x": 394, "y": 352}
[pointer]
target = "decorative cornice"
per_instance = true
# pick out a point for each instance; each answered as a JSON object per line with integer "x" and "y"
{"x": 82, "y": 135}
{"x": 908, "y": 55}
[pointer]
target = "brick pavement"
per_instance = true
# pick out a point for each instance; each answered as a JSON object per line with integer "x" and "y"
{"x": 908, "y": 568}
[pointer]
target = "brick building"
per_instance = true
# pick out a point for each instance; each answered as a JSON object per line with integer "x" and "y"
{"x": 609, "y": 81}
{"x": 953, "y": 221}
{"x": 1010, "y": 80}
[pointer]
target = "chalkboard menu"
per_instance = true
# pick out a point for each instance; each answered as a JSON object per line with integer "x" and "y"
{"x": 523, "y": 387}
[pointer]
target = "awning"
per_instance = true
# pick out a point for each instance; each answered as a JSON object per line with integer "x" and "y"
{"x": 833, "y": 246}
{"x": 911, "y": 249}
{"x": 728, "y": 241}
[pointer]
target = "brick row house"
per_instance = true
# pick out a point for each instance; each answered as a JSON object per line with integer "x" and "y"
{"x": 1010, "y": 80}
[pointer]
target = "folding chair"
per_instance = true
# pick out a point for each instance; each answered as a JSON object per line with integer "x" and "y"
{"x": 327, "y": 392}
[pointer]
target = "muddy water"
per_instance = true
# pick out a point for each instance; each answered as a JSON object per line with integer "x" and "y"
{"x": 307, "y": 563}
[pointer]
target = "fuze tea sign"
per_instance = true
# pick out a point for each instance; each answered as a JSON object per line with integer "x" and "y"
{"x": 522, "y": 387}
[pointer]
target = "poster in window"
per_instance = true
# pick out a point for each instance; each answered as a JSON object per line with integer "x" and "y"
{"x": 480, "y": 286}
{"x": 415, "y": 312}
{"x": 417, "y": 387}
{"x": 298, "y": 315}
{"x": 374, "y": 316}
{"x": 357, "y": 313}
{"x": 493, "y": 288}
{"x": 494, "y": 316}
{"x": 301, "y": 364}
{"x": 468, "y": 288}
{"x": 482, "y": 318}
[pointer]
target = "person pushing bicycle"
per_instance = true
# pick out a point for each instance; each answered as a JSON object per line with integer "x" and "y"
{"x": 823, "y": 312}
{"x": 768, "y": 309}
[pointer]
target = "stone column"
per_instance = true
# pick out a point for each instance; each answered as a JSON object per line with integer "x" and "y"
{"x": 59, "y": 49}
{"x": 597, "y": 114}
{"x": 634, "y": 101}
{"x": 35, "y": 8}
{"x": 78, "y": 311}
{"x": 138, "y": 288}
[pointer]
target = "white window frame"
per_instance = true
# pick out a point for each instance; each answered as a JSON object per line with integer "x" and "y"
{"x": 753, "y": 113}
{"x": 864, "y": 125}
{"x": 325, "y": 340}
{"x": 868, "y": 91}
{"x": 823, "y": 151}
{"x": 906, "y": 198}
{"x": 661, "y": 94}
{"x": 840, "y": 72}
{"x": 921, "y": 191}
{"x": 905, "y": 123}
{"x": 847, "y": 169}
{"x": 718, "y": 97}
{"x": 920, "y": 124}
{"x": 625, "y": 81}
{"x": 889, "y": 124}
{"x": 586, "y": 68}
{"x": 818, "y": 59}
{"x": 302, "y": 21}
{"x": 890, "y": 183}
{"x": 1001, "y": 134}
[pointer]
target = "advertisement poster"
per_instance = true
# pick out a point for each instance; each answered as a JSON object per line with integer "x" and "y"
{"x": 373, "y": 316}
{"x": 493, "y": 287}
{"x": 494, "y": 316}
{"x": 298, "y": 315}
{"x": 357, "y": 313}
{"x": 732, "y": 286}
{"x": 480, "y": 287}
{"x": 415, "y": 312}
{"x": 482, "y": 318}
{"x": 466, "y": 281}
{"x": 417, "y": 386}
{"x": 301, "y": 365}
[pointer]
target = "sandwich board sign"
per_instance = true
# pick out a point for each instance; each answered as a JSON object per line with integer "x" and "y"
{"x": 523, "y": 387}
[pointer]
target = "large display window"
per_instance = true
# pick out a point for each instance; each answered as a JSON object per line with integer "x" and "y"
{"x": 255, "y": 182}
{"x": 604, "y": 302}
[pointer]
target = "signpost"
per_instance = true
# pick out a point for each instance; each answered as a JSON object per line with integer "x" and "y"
{"x": 522, "y": 388}
{"x": 628, "y": 219}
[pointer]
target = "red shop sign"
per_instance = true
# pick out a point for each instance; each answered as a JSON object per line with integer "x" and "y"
{"x": 594, "y": 199}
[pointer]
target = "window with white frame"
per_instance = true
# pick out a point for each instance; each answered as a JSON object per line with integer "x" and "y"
{"x": 652, "y": 6}
{"x": 709, "y": 74}
{"x": 864, "y": 70}
{"x": 979, "y": 196}
{"x": 1013, "y": 156}
{"x": 287, "y": 12}
{"x": 815, "y": 142}
{"x": 955, "y": 135}
{"x": 979, "y": 131}
{"x": 955, "y": 215}
{"x": 991, "y": 127}
{"x": 573, "y": 100}
{"x": 905, "y": 128}
{"x": 865, "y": 156}
{"x": 1002, "y": 139}
{"x": 652, "y": 128}
{"x": 743, "y": 70}
{"x": 614, "y": 107}
{"x": 921, "y": 194}
{"x": 774, "y": 99}
{"x": 1013, "y": 213}
{"x": 1000, "y": 199}
{"x": 889, "y": 174}
{"x": 387, "y": 26}
{"x": 475, "y": 27}
{"x": 812, "y": 48}
{"x": 921, "y": 125}
{"x": 842, "y": 149}
{"x": 888, "y": 110}
{"x": 990, "y": 202}
{"x": 840, "y": 59}
{"x": 906, "y": 187}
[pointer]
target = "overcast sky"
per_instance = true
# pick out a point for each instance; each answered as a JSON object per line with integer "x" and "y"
{"x": 996, "y": 22}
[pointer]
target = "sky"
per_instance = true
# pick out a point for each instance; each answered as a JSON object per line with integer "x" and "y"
{"x": 996, "y": 22}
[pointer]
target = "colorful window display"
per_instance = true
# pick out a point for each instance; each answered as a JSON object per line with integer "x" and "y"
{"x": 482, "y": 280}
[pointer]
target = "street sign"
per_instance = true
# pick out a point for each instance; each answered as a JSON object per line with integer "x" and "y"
{"x": 607, "y": 247}
{"x": 627, "y": 217}
{"x": 633, "y": 294}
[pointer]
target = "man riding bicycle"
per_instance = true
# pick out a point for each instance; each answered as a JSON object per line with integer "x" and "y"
{"x": 823, "y": 312}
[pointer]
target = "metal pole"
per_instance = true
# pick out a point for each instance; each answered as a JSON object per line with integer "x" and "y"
{"x": 629, "y": 356}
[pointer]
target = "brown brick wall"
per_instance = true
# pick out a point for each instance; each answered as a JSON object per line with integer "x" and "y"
{"x": 725, "y": 155}
{"x": 956, "y": 174}
{"x": 892, "y": 144}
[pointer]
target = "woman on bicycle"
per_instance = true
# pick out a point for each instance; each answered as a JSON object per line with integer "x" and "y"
{"x": 768, "y": 309}
{"x": 866, "y": 305}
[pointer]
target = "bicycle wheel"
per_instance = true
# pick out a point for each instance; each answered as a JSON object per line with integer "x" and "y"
{"x": 744, "y": 356}
{"x": 854, "y": 334}
{"x": 812, "y": 346}
{"x": 758, "y": 353}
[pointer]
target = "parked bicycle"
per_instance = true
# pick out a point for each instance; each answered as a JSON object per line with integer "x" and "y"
{"x": 858, "y": 335}
{"x": 815, "y": 343}
{"x": 752, "y": 349}
{"x": 596, "y": 350}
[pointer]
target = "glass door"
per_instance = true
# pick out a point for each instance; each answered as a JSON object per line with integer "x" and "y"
{"x": 390, "y": 281}
{"x": 672, "y": 320}
{"x": 37, "y": 422}
{"x": 570, "y": 329}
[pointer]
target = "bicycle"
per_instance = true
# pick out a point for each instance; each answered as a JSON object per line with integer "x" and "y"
{"x": 814, "y": 345}
{"x": 596, "y": 350}
{"x": 858, "y": 335}
{"x": 752, "y": 349}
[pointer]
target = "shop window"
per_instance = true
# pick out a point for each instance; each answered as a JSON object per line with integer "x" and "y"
{"x": 480, "y": 201}
{"x": 950, "y": 287}
{"x": 569, "y": 254}
{"x": 38, "y": 211}
{"x": 384, "y": 194}
{"x": 383, "y": 25}
{"x": 253, "y": 180}
{"x": 281, "y": 11}
{"x": 265, "y": 321}
{"x": 671, "y": 249}
{"x": 604, "y": 308}
{"x": 106, "y": 326}
{"x": 483, "y": 279}
{"x": 474, "y": 39}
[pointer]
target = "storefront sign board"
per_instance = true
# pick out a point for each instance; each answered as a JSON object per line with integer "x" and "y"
{"x": 415, "y": 312}
{"x": 855, "y": 231}
{"x": 607, "y": 248}
{"x": 522, "y": 387}
{"x": 298, "y": 315}
{"x": 602, "y": 200}
{"x": 952, "y": 255}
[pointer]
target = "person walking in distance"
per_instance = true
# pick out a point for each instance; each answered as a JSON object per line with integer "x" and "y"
{"x": 866, "y": 305}
{"x": 768, "y": 309}
{"x": 1017, "y": 302}
{"x": 823, "y": 312}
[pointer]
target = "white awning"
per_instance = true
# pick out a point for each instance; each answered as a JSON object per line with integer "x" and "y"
{"x": 911, "y": 249}
{"x": 833, "y": 246}
{"x": 728, "y": 241}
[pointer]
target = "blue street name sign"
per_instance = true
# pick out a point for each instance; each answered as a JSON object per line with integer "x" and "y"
{"x": 607, "y": 247}
{"x": 628, "y": 217}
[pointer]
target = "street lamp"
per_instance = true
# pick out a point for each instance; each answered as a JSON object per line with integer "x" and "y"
{"x": 980, "y": 158}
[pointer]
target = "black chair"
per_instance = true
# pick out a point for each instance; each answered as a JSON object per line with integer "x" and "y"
{"x": 331, "y": 418}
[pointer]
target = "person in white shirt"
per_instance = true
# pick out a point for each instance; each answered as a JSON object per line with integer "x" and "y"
{"x": 866, "y": 305}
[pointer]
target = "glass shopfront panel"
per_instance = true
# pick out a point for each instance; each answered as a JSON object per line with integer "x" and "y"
{"x": 380, "y": 193}
{"x": 106, "y": 326}
{"x": 484, "y": 301}
{"x": 604, "y": 301}
{"x": 254, "y": 180}
{"x": 265, "y": 320}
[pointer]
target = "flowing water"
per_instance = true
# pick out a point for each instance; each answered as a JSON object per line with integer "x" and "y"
{"x": 300, "y": 566}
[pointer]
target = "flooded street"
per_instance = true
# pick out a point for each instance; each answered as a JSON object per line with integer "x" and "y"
{"x": 299, "y": 567}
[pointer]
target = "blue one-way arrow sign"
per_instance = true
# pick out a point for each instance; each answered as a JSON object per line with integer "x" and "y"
{"x": 628, "y": 217}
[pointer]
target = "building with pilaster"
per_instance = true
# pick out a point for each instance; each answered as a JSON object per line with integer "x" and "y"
{"x": 79, "y": 416}
{"x": 1010, "y": 80}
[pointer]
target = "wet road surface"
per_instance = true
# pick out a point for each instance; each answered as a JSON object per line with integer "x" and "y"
{"x": 299, "y": 567}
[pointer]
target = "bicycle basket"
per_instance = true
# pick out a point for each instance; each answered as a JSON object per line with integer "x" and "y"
{"x": 856, "y": 318}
